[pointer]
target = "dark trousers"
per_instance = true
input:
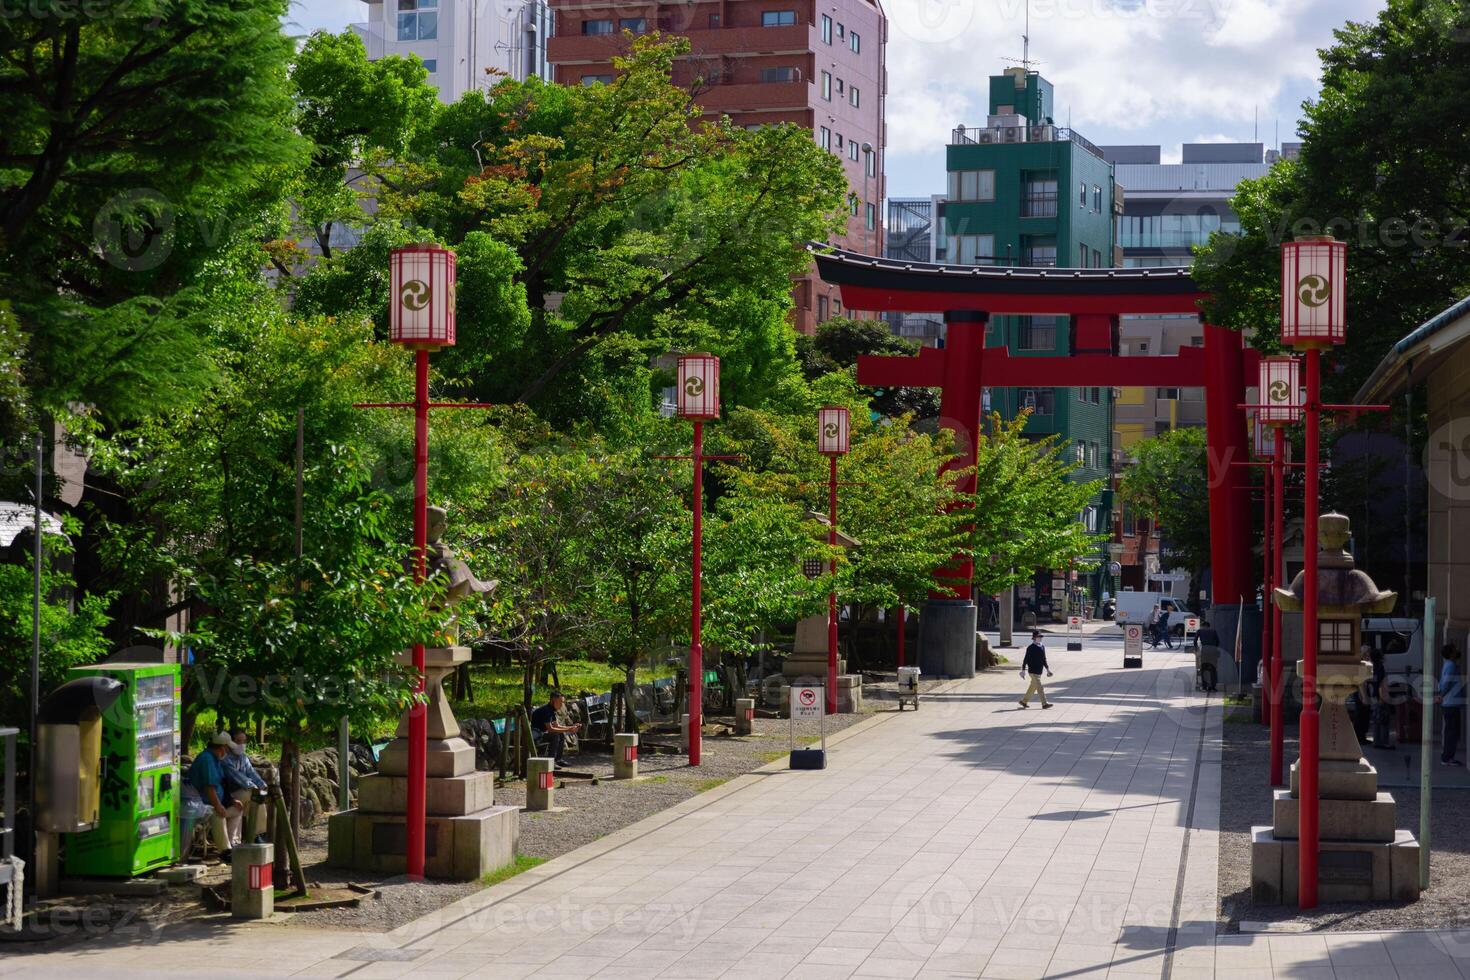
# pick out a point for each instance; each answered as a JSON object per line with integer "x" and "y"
{"x": 555, "y": 744}
{"x": 1454, "y": 724}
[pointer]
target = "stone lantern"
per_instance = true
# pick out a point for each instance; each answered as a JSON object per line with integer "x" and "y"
{"x": 1363, "y": 858}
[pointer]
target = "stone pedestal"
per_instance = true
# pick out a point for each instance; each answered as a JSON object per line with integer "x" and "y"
{"x": 684, "y": 734}
{"x": 744, "y": 716}
{"x": 947, "y": 638}
{"x": 808, "y": 659}
{"x": 252, "y": 895}
{"x": 466, "y": 834}
{"x": 625, "y": 756}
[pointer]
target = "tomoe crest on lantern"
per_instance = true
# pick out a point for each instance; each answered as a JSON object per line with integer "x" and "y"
{"x": 421, "y": 298}
{"x": 1280, "y": 390}
{"x": 833, "y": 430}
{"x": 698, "y": 388}
{"x": 1313, "y": 291}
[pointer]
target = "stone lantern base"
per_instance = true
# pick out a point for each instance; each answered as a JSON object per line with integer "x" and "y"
{"x": 466, "y": 834}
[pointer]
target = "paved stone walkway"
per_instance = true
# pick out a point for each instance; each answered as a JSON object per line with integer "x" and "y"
{"x": 968, "y": 839}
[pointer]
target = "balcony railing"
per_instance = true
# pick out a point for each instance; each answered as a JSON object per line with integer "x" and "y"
{"x": 976, "y": 135}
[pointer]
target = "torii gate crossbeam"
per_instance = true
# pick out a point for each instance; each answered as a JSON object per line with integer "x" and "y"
{"x": 1094, "y": 298}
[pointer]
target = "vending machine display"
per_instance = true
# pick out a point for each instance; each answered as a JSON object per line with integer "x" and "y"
{"x": 140, "y": 776}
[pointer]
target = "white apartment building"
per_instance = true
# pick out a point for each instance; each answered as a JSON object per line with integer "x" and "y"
{"x": 465, "y": 44}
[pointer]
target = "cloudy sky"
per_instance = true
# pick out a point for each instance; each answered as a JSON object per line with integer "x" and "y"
{"x": 1125, "y": 71}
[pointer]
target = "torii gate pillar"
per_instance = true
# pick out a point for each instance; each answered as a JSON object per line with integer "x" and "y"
{"x": 947, "y": 623}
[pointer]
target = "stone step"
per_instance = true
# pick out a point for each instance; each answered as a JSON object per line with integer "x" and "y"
{"x": 1354, "y": 820}
{"x": 1347, "y": 871}
{"x": 448, "y": 796}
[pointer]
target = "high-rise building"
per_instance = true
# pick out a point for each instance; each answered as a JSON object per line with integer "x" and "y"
{"x": 1024, "y": 191}
{"x": 465, "y": 44}
{"x": 1169, "y": 209}
{"x": 819, "y": 65}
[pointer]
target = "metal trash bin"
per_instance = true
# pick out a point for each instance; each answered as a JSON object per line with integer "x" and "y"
{"x": 908, "y": 687}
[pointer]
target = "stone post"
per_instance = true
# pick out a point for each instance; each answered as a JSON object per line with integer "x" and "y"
{"x": 540, "y": 784}
{"x": 625, "y": 756}
{"x": 684, "y": 733}
{"x": 252, "y": 894}
{"x": 744, "y": 716}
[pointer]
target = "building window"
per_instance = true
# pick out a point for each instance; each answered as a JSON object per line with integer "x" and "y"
{"x": 714, "y": 21}
{"x": 839, "y": 86}
{"x": 972, "y": 185}
{"x": 1041, "y": 198}
{"x": 1082, "y": 254}
{"x": 1097, "y": 199}
{"x": 1096, "y": 259}
{"x": 840, "y": 29}
{"x": 418, "y": 20}
{"x": 821, "y": 309}
{"x": 827, "y": 85}
{"x": 590, "y": 27}
{"x": 1143, "y": 347}
{"x": 1041, "y": 401}
{"x": 976, "y": 249}
{"x": 853, "y": 96}
{"x": 596, "y": 80}
{"x": 431, "y": 65}
{"x": 826, "y": 29}
{"x": 839, "y": 141}
{"x": 1082, "y": 194}
{"x": 638, "y": 25}
{"x": 783, "y": 74}
{"x": 1168, "y": 394}
{"x": 872, "y": 217}
{"x": 778, "y": 18}
{"x": 824, "y": 138}
{"x": 855, "y": 42}
{"x": 872, "y": 163}
{"x": 1041, "y": 253}
{"x": 1037, "y": 333}
{"x": 852, "y": 149}
{"x": 852, "y": 205}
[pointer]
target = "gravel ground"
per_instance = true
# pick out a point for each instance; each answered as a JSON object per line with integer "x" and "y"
{"x": 1246, "y": 801}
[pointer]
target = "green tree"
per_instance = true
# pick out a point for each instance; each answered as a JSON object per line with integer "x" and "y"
{"x": 142, "y": 142}
{"x": 1027, "y": 508}
{"x": 1382, "y": 166}
{"x": 837, "y": 345}
{"x": 1169, "y": 482}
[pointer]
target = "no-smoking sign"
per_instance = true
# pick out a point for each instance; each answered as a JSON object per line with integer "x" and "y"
{"x": 806, "y": 702}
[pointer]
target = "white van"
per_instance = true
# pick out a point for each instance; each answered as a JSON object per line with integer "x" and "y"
{"x": 1401, "y": 640}
{"x": 1134, "y": 607}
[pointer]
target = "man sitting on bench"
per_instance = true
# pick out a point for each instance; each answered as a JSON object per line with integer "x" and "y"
{"x": 546, "y": 723}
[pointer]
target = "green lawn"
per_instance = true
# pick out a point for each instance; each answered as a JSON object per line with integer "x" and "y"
{"x": 497, "y": 690}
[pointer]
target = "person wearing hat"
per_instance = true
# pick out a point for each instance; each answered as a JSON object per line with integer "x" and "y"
{"x": 1034, "y": 663}
{"x": 207, "y": 781}
{"x": 546, "y": 723}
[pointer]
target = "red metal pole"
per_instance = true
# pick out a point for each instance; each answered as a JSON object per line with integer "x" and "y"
{"x": 832, "y": 596}
{"x": 1278, "y": 521}
{"x": 1268, "y": 693}
{"x": 418, "y": 717}
{"x": 1307, "y": 865}
{"x": 696, "y": 648}
{"x": 901, "y": 630}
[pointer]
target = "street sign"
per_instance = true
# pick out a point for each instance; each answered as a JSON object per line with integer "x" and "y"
{"x": 806, "y": 702}
{"x": 1133, "y": 645}
{"x": 1191, "y": 624}
{"x": 1075, "y": 622}
{"x": 1074, "y": 633}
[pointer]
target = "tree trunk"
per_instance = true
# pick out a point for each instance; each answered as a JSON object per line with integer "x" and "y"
{"x": 630, "y": 702}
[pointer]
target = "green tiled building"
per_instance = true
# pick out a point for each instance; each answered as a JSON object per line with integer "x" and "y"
{"x": 1026, "y": 192}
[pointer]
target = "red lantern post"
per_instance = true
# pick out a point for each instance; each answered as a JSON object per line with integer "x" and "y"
{"x": 833, "y": 436}
{"x": 1313, "y": 316}
{"x": 698, "y": 401}
{"x": 1281, "y": 405}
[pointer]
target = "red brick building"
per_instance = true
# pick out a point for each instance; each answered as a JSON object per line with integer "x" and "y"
{"x": 817, "y": 64}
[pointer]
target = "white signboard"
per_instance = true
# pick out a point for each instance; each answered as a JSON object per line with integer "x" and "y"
{"x": 806, "y": 702}
{"x": 1075, "y": 622}
{"x": 1191, "y": 624}
{"x": 1132, "y": 641}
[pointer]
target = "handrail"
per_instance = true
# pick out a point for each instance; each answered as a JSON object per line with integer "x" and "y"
{"x": 1046, "y": 133}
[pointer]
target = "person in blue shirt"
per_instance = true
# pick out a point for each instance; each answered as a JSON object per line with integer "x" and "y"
{"x": 1451, "y": 699}
{"x": 206, "y": 782}
{"x": 545, "y": 723}
{"x": 242, "y": 782}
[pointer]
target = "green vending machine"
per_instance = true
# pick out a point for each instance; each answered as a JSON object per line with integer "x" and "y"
{"x": 140, "y": 776}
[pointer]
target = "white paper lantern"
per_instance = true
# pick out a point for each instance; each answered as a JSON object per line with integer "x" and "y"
{"x": 699, "y": 386}
{"x": 1314, "y": 292}
{"x": 833, "y": 429}
{"x": 1280, "y": 391}
{"x": 421, "y": 299}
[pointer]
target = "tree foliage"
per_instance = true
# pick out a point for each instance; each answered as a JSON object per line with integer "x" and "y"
{"x": 1169, "y": 482}
{"x": 1386, "y": 146}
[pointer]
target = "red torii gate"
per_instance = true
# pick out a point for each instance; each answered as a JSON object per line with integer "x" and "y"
{"x": 1094, "y": 299}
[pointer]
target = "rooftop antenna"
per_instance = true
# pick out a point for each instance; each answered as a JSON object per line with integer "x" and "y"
{"x": 1025, "y": 61}
{"x": 1256, "y": 136}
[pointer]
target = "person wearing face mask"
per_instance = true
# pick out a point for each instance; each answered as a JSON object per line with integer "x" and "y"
{"x": 242, "y": 782}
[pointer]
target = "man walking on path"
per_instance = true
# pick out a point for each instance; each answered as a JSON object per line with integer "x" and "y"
{"x": 1033, "y": 664}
